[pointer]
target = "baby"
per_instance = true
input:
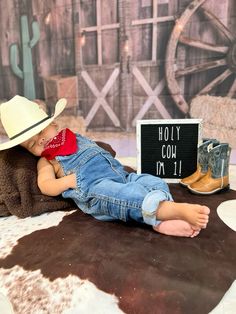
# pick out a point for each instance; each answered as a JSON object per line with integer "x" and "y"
{"x": 77, "y": 168}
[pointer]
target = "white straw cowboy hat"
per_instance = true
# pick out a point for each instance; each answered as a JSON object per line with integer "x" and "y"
{"x": 22, "y": 119}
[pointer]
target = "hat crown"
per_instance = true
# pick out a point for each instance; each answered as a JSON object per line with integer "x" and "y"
{"x": 19, "y": 114}
{"x": 23, "y": 119}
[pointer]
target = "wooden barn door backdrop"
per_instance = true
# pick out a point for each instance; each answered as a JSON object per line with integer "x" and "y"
{"x": 118, "y": 61}
{"x": 128, "y": 52}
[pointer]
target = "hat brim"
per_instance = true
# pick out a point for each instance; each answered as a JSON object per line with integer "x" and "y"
{"x": 60, "y": 106}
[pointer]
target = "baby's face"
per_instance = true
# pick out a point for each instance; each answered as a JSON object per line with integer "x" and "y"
{"x": 38, "y": 142}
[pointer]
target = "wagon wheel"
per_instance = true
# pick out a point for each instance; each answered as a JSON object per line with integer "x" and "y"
{"x": 227, "y": 56}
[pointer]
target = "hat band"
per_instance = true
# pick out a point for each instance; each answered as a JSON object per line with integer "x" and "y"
{"x": 29, "y": 128}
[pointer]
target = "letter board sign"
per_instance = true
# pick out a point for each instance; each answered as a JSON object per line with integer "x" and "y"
{"x": 168, "y": 148}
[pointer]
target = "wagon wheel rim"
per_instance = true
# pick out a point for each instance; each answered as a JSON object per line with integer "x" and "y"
{"x": 227, "y": 56}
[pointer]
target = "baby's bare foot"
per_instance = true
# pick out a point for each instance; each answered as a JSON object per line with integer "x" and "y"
{"x": 178, "y": 228}
{"x": 196, "y": 215}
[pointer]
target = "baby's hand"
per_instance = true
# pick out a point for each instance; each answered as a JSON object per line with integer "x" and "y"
{"x": 72, "y": 180}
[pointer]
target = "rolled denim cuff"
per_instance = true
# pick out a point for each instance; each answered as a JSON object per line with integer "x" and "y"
{"x": 151, "y": 204}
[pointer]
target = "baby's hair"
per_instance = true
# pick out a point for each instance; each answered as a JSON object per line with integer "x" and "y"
{"x": 41, "y": 103}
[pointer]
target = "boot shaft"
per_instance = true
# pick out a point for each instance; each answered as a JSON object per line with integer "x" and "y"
{"x": 219, "y": 160}
{"x": 203, "y": 153}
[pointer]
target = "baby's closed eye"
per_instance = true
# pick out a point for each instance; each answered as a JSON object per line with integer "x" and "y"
{"x": 31, "y": 144}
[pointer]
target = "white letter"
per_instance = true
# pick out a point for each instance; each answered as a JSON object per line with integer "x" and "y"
{"x": 162, "y": 151}
{"x": 160, "y": 168}
{"x": 160, "y": 133}
{"x": 166, "y": 133}
{"x": 178, "y": 129}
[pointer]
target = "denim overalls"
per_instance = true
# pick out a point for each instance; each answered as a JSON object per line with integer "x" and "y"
{"x": 106, "y": 191}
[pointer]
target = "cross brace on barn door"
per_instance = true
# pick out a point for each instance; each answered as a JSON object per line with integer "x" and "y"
{"x": 152, "y": 96}
{"x": 101, "y": 101}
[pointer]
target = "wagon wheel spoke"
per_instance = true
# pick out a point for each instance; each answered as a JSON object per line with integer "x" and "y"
{"x": 215, "y": 82}
{"x": 226, "y": 56}
{"x": 171, "y": 55}
{"x": 202, "y": 45}
{"x": 200, "y": 67}
{"x": 219, "y": 25}
{"x": 232, "y": 90}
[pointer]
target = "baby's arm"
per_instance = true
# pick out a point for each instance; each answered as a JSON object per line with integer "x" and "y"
{"x": 47, "y": 181}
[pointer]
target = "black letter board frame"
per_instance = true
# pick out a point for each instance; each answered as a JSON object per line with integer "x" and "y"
{"x": 167, "y": 148}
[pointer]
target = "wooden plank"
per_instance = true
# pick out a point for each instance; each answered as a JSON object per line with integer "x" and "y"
{"x": 109, "y": 11}
{"x": 92, "y": 112}
{"x": 56, "y": 37}
{"x": 110, "y": 81}
{"x": 173, "y": 7}
{"x": 140, "y": 78}
{"x": 11, "y": 33}
{"x": 99, "y": 32}
{"x": 110, "y": 112}
{"x": 144, "y": 108}
{"x": 202, "y": 45}
{"x": 219, "y": 79}
{"x": 100, "y": 101}
{"x": 87, "y": 18}
{"x": 77, "y": 37}
{"x": 103, "y": 27}
{"x": 154, "y": 32}
{"x": 161, "y": 108}
{"x": 160, "y": 19}
{"x": 220, "y": 26}
{"x": 88, "y": 13}
{"x": 152, "y": 99}
{"x": 110, "y": 41}
{"x": 146, "y": 33}
{"x": 107, "y": 86}
{"x": 64, "y": 37}
{"x": 200, "y": 67}
{"x": 90, "y": 83}
{"x": 171, "y": 54}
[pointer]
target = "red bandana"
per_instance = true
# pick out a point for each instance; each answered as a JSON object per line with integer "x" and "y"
{"x": 61, "y": 145}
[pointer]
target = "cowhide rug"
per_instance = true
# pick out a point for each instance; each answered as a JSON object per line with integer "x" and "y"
{"x": 29, "y": 290}
{"x": 68, "y": 262}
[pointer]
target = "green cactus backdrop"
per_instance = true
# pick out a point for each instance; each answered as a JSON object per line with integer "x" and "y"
{"x": 16, "y": 53}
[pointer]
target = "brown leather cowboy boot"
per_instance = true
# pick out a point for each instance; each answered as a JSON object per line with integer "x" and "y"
{"x": 202, "y": 166}
{"x": 217, "y": 176}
